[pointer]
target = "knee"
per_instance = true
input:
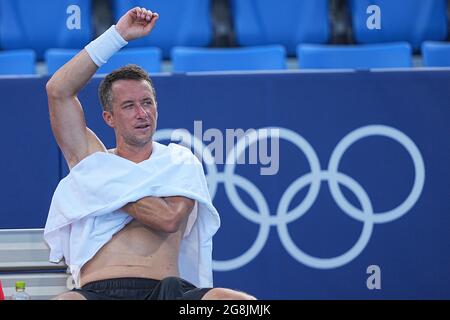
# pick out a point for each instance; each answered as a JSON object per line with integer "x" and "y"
{"x": 226, "y": 294}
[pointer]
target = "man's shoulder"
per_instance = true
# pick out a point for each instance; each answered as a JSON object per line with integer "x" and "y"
{"x": 180, "y": 154}
{"x": 171, "y": 146}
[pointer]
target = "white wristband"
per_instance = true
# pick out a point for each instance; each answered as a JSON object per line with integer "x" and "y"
{"x": 102, "y": 48}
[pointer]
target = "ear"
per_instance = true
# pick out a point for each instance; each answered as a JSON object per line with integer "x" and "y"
{"x": 109, "y": 118}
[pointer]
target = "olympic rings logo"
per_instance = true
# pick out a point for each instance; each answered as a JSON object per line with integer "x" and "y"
{"x": 283, "y": 216}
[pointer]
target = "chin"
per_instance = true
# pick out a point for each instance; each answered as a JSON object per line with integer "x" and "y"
{"x": 138, "y": 141}
{"x": 144, "y": 141}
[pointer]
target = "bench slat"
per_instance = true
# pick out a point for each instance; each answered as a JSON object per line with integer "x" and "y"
{"x": 25, "y": 249}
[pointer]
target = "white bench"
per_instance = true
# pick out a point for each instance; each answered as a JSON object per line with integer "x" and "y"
{"x": 24, "y": 257}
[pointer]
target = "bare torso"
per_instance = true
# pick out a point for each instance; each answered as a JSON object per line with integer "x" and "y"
{"x": 136, "y": 251}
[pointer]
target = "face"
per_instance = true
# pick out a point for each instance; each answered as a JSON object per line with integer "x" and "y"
{"x": 134, "y": 112}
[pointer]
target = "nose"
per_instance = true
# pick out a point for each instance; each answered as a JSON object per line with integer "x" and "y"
{"x": 140, "y": 112}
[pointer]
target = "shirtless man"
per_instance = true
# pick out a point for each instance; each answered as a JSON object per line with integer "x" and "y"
{"x": 141, "y": 260}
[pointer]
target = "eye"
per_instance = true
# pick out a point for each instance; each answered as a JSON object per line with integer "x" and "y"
{"x": 128, "y": 106}
{"x": 148, "y": 103}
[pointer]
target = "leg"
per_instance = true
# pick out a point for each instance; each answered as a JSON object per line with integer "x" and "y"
{"x": 226, "y": 294}
{"x": 70, "y": 295}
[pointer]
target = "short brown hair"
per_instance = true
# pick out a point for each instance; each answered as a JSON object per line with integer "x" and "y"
{"x": 128, "y": 72}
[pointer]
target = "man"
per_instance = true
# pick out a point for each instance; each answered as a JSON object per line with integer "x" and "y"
{"x": 141, "y": 260}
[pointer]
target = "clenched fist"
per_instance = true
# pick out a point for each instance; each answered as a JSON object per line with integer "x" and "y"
{"x": 136, "y": 23}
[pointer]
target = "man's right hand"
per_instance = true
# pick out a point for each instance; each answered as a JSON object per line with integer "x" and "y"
{"x": 136, "y": 23}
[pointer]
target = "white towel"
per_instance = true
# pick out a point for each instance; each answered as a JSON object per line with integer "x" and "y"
{"x": 84, "y": 213}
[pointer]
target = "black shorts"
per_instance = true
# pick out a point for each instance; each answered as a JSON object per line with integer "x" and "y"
{"x": 171, "y": 288}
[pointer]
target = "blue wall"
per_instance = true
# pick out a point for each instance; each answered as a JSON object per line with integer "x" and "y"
{"x": 393, "y": 210}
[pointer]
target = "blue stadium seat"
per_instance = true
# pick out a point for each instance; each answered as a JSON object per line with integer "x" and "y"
{"x": 56, "y": 58}
{"x": 436, "y": 54}
{"x": 147, "y": 58}
{"x": 181, "y": 23}
{"x": 186, "y": 59}
{"x": 286, "y": 22}
{"x": 392, "y": 55}
{"x": 40, "y": 25}
{"x": 413, "y": 21}
{"x": 17, "y": 62}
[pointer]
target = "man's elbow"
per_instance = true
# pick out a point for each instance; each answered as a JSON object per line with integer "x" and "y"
{"x": 172, "y": 224}
{"x": 55, "y": 90}
{"x": 177, "y": 214}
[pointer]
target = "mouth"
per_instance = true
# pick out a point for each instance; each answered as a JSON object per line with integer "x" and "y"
{"x": 142, "y": 126}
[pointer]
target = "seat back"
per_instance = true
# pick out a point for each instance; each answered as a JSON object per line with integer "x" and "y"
{"x": 436, "y": 54}
{"x": 40, "y": 25}
{"x": 254, "y": 58}
{"x": 392, "y": 55}
{"x": 148, "y": 58}
{"x": 413, "y": 21}
{"x": 181, "y": 23}
{"x": 289, "y": 23}
{"x": 15, "y": 62}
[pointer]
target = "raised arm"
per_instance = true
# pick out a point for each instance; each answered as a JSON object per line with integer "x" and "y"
{"x": 66, "y": 114}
